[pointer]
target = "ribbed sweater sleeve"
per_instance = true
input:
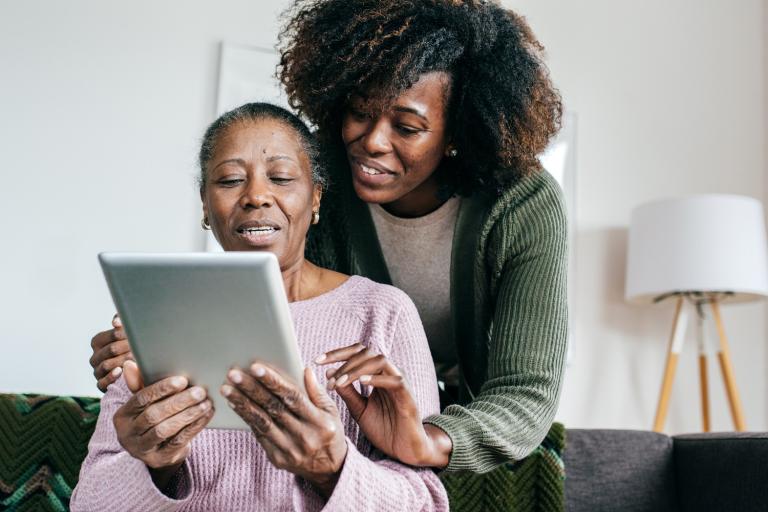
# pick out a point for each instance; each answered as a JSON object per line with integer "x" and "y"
{"x": 110, "y": 477}
{"x": 378, "y": 484}
{"x": 516, "y": 405}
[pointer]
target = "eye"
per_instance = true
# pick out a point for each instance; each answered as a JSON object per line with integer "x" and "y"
{"x": 281, "y": 180}
{"x": 358, "y": 115}
{"x": 407, "y": 130}
{"x": 230, "y": 182}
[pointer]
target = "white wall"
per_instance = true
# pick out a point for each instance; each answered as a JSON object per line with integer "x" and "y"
{"x": 103, "y": 105}
{"x": 670, "y": 98}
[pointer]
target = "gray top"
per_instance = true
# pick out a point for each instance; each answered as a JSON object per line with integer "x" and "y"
{"x": 417, "y": 252}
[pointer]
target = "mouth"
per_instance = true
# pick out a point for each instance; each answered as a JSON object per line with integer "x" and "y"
{"x": 371, "y": 173}
{"x": 259, "y": 233}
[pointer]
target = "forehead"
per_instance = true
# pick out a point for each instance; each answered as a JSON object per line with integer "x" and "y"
{"x": 429, "y": 94}
{"x": 266, "y": 137}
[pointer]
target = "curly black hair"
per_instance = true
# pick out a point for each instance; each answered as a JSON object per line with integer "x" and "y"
{"x": 502, "y": 108}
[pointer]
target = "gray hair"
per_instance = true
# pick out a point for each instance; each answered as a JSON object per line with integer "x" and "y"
{"x": 255, "y": 112}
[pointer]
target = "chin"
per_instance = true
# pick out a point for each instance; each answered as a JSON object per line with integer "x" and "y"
{"x": 373, "y": 196}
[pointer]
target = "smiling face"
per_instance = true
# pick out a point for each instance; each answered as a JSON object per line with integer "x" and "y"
{"x": 259, "y": 194}
{"x": 393, "y": 155}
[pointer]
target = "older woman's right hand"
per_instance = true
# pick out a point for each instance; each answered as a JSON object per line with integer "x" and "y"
{"x": 110, "y": 351}
{"x": 157, "y": 424}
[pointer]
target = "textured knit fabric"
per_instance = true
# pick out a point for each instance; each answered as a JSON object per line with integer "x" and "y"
{"x": 509, "y": 308}
{"x": 534, "y": 484}
{"x": 228, "y": 470}
{"x": 418, "y": 255}
{"x": 43, "y": 441}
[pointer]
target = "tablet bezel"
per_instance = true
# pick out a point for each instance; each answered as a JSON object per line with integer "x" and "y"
{"x": 174, "y": 297}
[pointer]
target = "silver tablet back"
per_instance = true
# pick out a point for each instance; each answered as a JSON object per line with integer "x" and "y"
{"x": 198, "y": 314}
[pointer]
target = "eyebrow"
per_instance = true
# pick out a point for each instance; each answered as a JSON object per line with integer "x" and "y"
{"x": 241, "y": 162}
{"x": 279, "y": 157}
{"x": 238, "y": 161}
{"x": 410, "y": 110}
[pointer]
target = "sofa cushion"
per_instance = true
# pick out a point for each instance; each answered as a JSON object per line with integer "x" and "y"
{"x": 43, "y": 441}
{"x": 625, "y": 470}
{"x": 724, "y": 472}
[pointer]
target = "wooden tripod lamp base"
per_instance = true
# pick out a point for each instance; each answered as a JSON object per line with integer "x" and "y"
{"x": 676, "y": 342}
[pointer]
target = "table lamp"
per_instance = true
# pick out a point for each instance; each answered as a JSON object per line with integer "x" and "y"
{"x": 700, "y": 251}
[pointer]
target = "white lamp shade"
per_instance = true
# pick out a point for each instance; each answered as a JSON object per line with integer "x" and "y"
{"x": 707, "y": 243}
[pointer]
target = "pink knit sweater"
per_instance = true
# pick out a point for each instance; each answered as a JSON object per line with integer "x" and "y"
{"x": 228, "y": 470}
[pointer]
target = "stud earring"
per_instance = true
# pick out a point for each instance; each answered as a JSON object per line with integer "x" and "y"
{"x": 453, "y": 152}
{"x": 315, "y": 217}
{"x": 204, "y": 224}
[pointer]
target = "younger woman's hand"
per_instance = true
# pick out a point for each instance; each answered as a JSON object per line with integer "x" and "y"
{"x": 110, "y": 350}
{"x": 389, "y": 416}
{"x": 300, "y": 432}
{"x": 157, "y": 424}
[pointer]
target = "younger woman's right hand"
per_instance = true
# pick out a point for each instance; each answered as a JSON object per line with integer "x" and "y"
{"x": 110, "y": 351}
{"x": 157, "y": 424}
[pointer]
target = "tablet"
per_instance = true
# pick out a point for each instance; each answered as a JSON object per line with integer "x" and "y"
{"x": 198, "y": 314}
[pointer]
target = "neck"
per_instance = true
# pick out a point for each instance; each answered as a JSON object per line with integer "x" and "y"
{"x": 422, "y": 200}
{"x": 300, "y": 280}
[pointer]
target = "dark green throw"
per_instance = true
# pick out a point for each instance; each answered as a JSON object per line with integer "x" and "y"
{"x": 43, "y": 441}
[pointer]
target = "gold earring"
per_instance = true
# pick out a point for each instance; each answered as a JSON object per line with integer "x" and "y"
{"x": 315, "y": 217}
{"x": 204, "y": 224}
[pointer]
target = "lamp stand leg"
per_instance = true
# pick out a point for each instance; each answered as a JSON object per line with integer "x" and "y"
{"x": 703, "y": 376}
{"x": 726, "y": 367}
{"x": 675, "y": 346}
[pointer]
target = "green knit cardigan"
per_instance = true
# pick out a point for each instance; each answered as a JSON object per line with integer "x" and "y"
{"x": 508, "y": 305}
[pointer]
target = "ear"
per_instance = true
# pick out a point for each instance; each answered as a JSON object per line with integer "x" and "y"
{"x": 204, "y": 200}
{"x": 317, "y": 194}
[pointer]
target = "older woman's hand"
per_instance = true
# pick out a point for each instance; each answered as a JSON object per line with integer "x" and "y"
{"x": 388, "y": 417}
{"x": 110, "y": 351}
{"x": 157, "y": 424}
{"x": 300, "y": 432}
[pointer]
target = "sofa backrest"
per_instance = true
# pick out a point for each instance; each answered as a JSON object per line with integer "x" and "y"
{"x": 727, "y": 472}
{"x": 626, "y": 470}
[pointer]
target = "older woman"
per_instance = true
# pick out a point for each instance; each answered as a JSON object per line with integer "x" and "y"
{"x": 261, "y": 187}
{"x": 435, "y": 112}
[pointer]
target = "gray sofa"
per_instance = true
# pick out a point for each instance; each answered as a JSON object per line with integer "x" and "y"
{"x": 634, "y": 471}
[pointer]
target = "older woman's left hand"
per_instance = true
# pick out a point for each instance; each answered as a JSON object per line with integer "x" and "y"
{"x": 300, "y": 432}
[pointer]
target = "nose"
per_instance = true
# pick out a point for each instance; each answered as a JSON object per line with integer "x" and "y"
{"x": 376, "y": 139}
{"x": 257, "y": 194}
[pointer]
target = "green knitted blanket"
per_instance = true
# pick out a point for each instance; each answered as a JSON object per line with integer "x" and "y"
{"x": 44, "y": 439}
{"x": 534, "y": 484}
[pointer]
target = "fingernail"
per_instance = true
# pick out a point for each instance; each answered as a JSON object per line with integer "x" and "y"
{"x": 257, "y": 370}
{"x": 319, "y": 359}
{"x": 230, "y": 404}
{"x": 226, "y": 390}
{"x": 342, "y": 380}
{"x": 198, "y": 393}
{"x": 364, "y": 378}
{"x": 178, "y": 382}
{"x": 331, "y": 383}
{"x": 205, "y": 405}
{"x": 118, "y": 322}
{"x": 117, "y": 371}
{"x": 235, "y": 376}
